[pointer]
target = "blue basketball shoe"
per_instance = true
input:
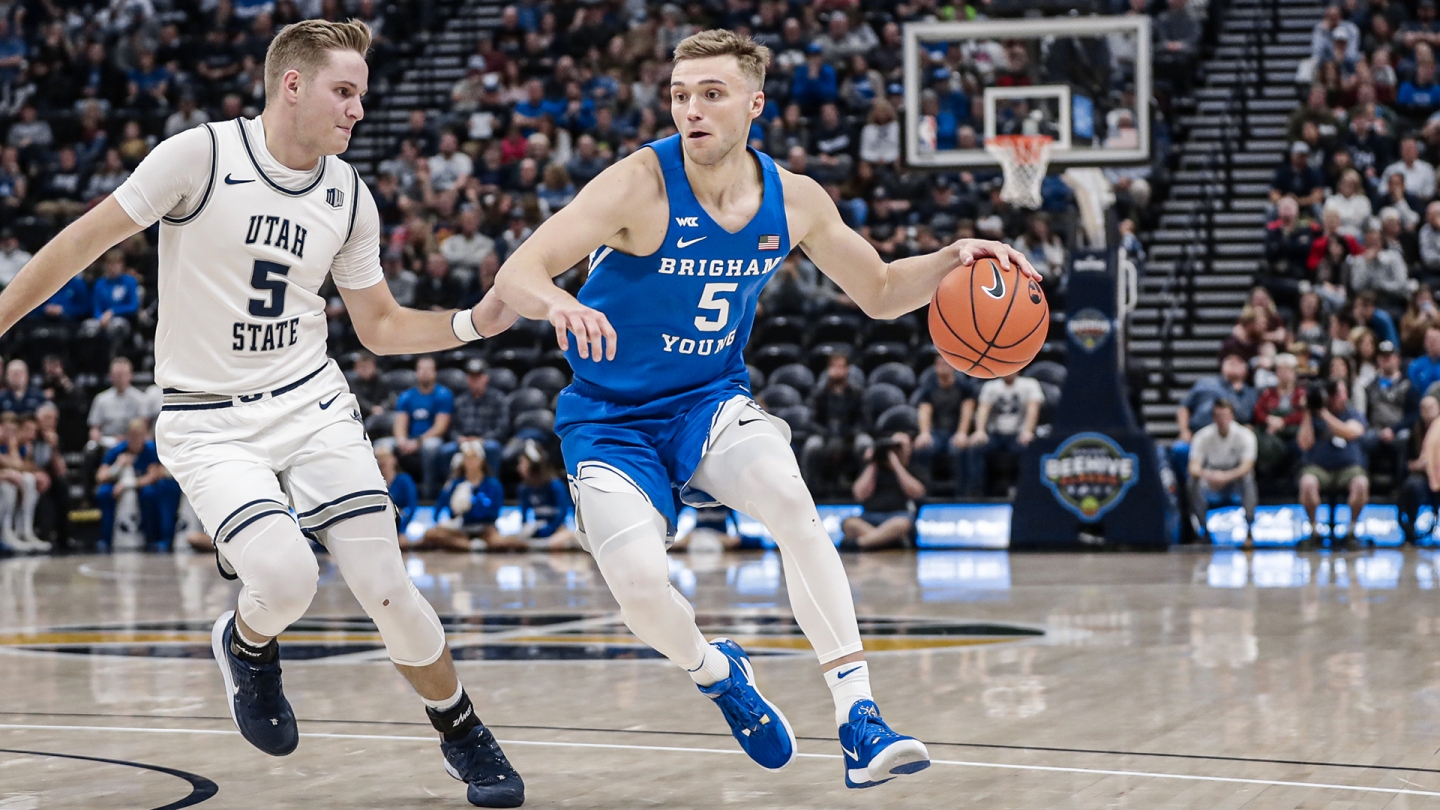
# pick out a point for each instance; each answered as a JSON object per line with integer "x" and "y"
{"x": 257, "y": 702}
{"x": 758, "y": 726}
{"x": 476, "y": 759}
{"x": 873, "y": 752}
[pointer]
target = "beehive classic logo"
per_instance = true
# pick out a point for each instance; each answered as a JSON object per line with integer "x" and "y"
{"x": 1089, "y": 328}
{"x": 1089, "y": 474}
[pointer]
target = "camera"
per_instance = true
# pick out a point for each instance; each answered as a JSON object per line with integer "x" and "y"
{"x": 883, "y": 446}
{"x": 1317, "y": 394}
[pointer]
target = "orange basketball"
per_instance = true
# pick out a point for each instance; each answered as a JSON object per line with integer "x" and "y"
{"x": 988, "y": 321}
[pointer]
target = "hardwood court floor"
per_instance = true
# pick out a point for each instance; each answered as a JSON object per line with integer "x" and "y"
{"x": 1189, "y": 679}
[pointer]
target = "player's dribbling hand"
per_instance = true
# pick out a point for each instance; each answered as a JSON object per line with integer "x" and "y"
{"x": 594, "y": 336}
{"x": 968, "y": 250}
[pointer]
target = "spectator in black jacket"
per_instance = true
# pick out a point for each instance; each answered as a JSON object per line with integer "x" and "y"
{"x": 374, "y": 396}
{"x": 481, "y": 414}
{"x": 1296, "y": 178}
{"x": 438, "y": 289}
{"x": 1288, "y": 240}
{"x": 1388, "y": 403}
{"x": 836, "y": 409}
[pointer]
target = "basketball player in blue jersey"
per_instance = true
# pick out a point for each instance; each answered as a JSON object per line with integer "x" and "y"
{"x": 681, "y": 237}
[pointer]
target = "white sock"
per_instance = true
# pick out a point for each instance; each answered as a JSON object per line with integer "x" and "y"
{"x": 849, "y": 683}
{"x": 447, "y": 703}
{"x": 713, "y": 667}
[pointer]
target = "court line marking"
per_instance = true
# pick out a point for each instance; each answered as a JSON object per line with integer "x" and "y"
{"x": 726, "y": 736}
{"x": 201, "y": 788}
{"x": 731, "y": 752}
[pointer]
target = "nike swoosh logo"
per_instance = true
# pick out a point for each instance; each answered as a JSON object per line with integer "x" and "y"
{"x": 748, "y": 421}
{"x": 997, "y": 289}
{"x": 230, "y": 181}
{"x": 850, "y": 753}
{"x": 683, "y": 243}
{"x": 330, "y": 402}
{"x": 847, "y": 672}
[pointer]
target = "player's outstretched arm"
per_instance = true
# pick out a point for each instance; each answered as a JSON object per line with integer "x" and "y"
{"x": 385, "y": 327}
{"x": 74, "y": 249}
{"x": 881, "y": 290}
{"x": 596, "y": 215}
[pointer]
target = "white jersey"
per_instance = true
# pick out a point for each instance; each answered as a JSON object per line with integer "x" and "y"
{"x": 245, "y": 245}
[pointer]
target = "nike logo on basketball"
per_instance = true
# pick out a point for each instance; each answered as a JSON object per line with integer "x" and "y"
{"x": 847, "y": 672}
{"x": 230, "y": 181}
{"x": 997, "y": 289}
{"x": 684, "y": 243}
{"x": 329, "y": 402}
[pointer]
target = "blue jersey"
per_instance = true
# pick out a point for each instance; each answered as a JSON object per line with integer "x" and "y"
{"x": 683, "y": 313}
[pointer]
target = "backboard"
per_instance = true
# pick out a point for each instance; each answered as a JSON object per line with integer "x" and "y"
{"x": 1085, "y": 81}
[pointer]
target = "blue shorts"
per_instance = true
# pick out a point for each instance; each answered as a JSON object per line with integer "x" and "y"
{"x": 656, "y": 445}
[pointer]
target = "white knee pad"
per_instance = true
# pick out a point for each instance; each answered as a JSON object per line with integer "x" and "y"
{"x": 368, "y": 554}
{"x": 277, "y": 570}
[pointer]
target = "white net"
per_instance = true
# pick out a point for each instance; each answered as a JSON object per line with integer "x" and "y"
{"x": 1024, "y": 159}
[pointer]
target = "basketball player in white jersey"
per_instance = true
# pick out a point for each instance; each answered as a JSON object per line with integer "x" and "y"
{"x": 254, "y": 213}
{"x": 623, "y": 467}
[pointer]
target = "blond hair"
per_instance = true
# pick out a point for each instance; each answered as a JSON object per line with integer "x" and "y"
{"x": 306, "y": 45}
{"x": 752, "y": 56}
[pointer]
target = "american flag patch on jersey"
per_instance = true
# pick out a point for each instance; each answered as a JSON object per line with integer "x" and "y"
{"x": 769, "y": 241}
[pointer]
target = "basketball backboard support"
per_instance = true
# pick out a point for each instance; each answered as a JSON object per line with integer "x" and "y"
{"x": 1087, "y": 78}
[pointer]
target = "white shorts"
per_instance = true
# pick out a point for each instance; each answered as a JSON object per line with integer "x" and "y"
{"x": 239, "y": 459}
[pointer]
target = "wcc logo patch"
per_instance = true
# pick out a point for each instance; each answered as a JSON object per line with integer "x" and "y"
{"x": 1089, "y": 474}
{"x": 335, "y": 197}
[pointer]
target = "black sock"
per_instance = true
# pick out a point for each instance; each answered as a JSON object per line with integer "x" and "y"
{"x": 249, "y": 654}
{"x": 456, "y": 721}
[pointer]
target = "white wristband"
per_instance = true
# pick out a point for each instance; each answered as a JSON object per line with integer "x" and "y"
{"x": 463, "y": 327}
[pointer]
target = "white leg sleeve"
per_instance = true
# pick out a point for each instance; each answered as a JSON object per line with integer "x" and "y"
{"x": 29, "y": 497}
{"x": 367, "y": 551}
{"x": 750, "y": 467}
{"x": 277, "y": 570}
{"x": 8, "y": 497}
{"x": 627, "y": 537}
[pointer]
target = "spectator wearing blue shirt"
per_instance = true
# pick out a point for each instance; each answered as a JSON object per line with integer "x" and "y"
{"x": 535, "y": 107}
{"x": 1334, "y": 459}
{"x": 545, "y": 501}
{"x": 1424, "y": 370}
{"x": 148, "y": 84}
{"x": 468, "y": 506}
{"x": 421, "y": 421}
{"x": 1378, "y": 320}
{"x": 70, "y": 304}
{"x": 19, "y": 396}
{"x": 1420, "y": 94}
{"x": 114, "y": 303}
{"x": 1194, "y": 411}
{"x": 134, "y": 465}
{"x": 12, "y": 54}
{"x": 579, "y": 112}
{"x": 815, "y": 82}
{"x": 403, "y": 492}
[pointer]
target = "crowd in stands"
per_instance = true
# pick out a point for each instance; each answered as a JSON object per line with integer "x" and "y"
{"x": 551, "y": 96}
{"x": 1330, "y": 374}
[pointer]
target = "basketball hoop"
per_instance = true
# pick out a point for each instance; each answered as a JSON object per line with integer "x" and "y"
{"x": 1024, "y": 159}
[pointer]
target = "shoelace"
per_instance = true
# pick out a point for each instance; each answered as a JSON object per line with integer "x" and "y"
{"x": 736, "y": 700}
{"x": 863, "y": 731}
{"x": 263, "y": 686}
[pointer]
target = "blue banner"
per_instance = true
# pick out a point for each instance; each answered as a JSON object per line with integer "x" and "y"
{"x": 963, "y": 526}
{"x": 1288, "y": 524}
